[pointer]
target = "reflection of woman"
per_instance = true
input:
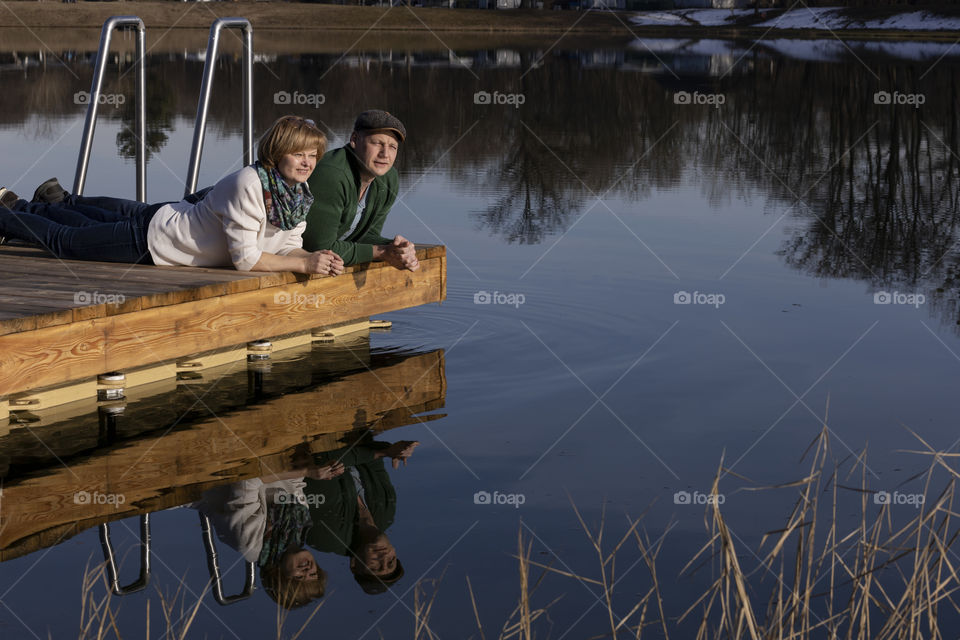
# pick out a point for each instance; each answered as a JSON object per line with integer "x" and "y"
{"x": 252, "y": 219}
{"x": 267, "y": 522}
{"x": 351, "y": 513}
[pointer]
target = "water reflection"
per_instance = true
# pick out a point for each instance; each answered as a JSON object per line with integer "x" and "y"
{"x": 871, "y": 189}
{"x": 266, "y": 520}
{"x": 61, "y": 477}
{"x": 351, "y": 513}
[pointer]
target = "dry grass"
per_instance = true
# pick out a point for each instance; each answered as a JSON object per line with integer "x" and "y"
{"x": 98, "y": 613}
{"x": 98, "y": 616}
{"x": 880, "y": 575}
{"x": 879, "y": 578}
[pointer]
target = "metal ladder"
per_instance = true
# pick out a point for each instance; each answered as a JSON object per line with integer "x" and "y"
{"x": 200, "y": 127}
{"x": 90, "y": 125}
{"x": 206, "y": 88}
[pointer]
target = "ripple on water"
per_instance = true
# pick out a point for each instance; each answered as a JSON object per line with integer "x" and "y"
{"x": 593, "y": 334}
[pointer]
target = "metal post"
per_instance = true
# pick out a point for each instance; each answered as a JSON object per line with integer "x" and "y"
{"x": 90, "y": 124}
{"x": 206, "y": 88}
{"x": 110, "y": 559}
{"x": 213, "y": 565}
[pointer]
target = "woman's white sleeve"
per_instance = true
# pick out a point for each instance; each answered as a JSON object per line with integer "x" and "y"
{"x": 243, "y": 217}
{"x": 294, "y": 240}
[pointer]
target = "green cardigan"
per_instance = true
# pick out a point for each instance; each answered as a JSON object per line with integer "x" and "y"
{"x": 333, "y": 503}
{"x": 335, "y": 185}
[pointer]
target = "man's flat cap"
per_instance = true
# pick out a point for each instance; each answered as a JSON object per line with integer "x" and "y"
{"x": 376, "y": 120}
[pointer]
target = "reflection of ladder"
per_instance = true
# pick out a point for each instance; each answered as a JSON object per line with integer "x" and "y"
{"x": 206, "y": 88}
{"x": 213, "y": 564}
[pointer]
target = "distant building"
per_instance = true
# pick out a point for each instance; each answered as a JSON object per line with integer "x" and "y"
{"x": 711, "y": 4}
{"x": 604, "y": 4}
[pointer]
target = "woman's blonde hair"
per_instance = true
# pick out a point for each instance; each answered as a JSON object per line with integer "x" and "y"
{"x": 289, "y": 134}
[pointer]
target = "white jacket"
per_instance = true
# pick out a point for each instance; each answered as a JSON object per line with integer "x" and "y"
{"x": 228, "y": 227}
{"x": 238, "y": 511}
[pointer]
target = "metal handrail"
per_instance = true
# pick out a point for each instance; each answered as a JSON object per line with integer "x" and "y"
{"x": 90, "y": 124}
{"x": 206, "y": 88}
{"x": 141, "y": 582}
{"x": 214, "y": 566}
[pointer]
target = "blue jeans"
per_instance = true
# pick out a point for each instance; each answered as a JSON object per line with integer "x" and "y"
{"x": 82, "y": 228}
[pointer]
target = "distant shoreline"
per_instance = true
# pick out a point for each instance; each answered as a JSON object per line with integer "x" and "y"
{"x": 310, "y": 16}
{"x": 299, "y": 16}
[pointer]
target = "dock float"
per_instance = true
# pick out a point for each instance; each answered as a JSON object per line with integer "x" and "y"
{"x": 65, "y": 323}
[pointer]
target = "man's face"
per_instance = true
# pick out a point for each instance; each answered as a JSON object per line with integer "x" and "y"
{"x": 376, "y": 151}
{"x": 378, "y": 557}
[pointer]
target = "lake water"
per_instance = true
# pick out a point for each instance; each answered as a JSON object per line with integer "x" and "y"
{"x": 660, "y": 256}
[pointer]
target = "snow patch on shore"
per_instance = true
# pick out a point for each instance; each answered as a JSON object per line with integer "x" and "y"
{"x": 826, "y": 50}
{"x": 827, "y": 18}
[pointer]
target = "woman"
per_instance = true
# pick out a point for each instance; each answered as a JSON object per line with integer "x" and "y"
{"x": 267, "y": 520}
{"x": 252, "y": 219}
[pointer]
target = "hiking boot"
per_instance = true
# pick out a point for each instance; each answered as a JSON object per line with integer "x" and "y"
{"x": 50, "y": 192}
{"x": 8, "y": 198}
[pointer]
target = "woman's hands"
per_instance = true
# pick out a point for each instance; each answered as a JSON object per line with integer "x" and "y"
{"x": 324, "y": 262}
{"x": 327, "y": 471}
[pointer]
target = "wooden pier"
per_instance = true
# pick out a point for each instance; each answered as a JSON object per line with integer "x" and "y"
{"x": 68, "y": 322}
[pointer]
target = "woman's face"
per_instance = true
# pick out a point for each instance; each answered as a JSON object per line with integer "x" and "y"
{"x": 297, "y": 167}
{"x": 299, "y": 566}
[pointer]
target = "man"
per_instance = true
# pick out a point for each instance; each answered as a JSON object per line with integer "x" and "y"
{"x": 352, "y": 511}
{"x": 353, "y": 189}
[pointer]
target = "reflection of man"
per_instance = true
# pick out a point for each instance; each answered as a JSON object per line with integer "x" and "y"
{"x": 351, "y": 513}
{"x": 353, "y": 188}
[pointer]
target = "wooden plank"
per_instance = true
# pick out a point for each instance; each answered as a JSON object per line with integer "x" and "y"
{"x": 143, "y": 287}
{"x": 57, "y": 354}
{"x": 142, "y": 290}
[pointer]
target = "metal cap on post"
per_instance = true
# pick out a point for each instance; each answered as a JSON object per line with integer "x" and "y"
{"x": 206, "y": 89}
{"x": 93, "y": 103}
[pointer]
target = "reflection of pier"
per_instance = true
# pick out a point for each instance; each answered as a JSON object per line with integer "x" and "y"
{"x": 254, "y": 422}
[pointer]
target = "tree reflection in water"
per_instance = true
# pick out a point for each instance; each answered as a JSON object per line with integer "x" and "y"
{"x": 871, "y": 190}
